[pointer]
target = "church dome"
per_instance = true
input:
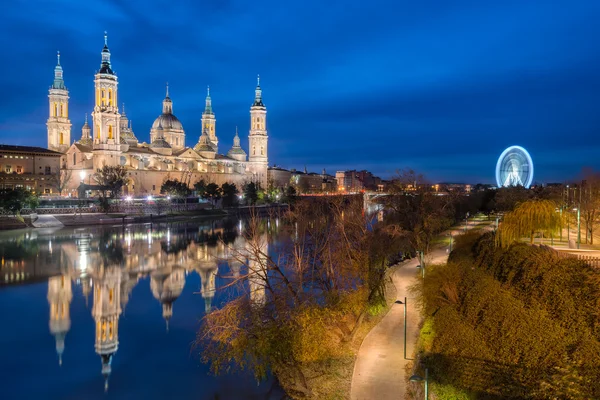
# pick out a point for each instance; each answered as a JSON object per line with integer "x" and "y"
{"x": 160, "y": 143}
{"x": 167, "y": 122}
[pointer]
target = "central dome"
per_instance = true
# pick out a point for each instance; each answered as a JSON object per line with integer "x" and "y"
{"x": 167, "y": 122}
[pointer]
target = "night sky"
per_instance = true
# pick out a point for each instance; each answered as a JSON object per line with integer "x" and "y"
{"x": 439, "y": 86}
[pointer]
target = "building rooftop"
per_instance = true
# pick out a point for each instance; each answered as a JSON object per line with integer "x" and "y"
{"x": 28, "y": 149}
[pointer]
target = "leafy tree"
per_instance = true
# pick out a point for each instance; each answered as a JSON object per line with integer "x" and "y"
{"x": 527, "y": 219}
{"x": 290, "y": 194}
{"x": 175, "y": 188}
{"x": 251, "y": 193}
{"x": 14, "y": 200}
{"x": 33, "y": 201}
{"x": 213, "y": 192}
{"x": 514, "y": 322}
{"x": 60, "y": 180}
{"x": 112, "y": 178}
{"x": 229, "y": 192}
{"x": 200, "y": 188}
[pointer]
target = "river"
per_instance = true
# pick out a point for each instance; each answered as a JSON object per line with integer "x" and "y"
{"x": 112, "y": 312}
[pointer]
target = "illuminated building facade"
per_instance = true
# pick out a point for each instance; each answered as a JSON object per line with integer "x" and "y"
{"x": 110, "y": 140}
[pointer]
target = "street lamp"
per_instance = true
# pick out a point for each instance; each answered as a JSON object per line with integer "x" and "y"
{"x": 419, "y": 378}
{"x": 399, "y": 302}
{"x": 450, "y": 234}
{"x": 578, "y": 226}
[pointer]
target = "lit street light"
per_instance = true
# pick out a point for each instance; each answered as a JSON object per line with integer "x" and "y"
{"x": 399, "y": 302}
{"x": 419, "y": 378}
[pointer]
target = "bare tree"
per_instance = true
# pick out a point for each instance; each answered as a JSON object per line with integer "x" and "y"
{"x": 60, "y": 180}
{"x": 301, "y": 309}
{"x": 590, "y": 202}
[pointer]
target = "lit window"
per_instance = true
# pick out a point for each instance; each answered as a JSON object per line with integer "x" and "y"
{"x": 19, "y": 169}
{"x": 8, "y": 169}
{"x": 110, "y": 295}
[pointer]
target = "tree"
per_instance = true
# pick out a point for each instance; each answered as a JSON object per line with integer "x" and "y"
{"x": 175, "y": 188}
{"x": 507, "y": 198}
{"x": 290, "y": 194}
{"x": 14, "y": 200}
{"x": 419, "y": 211}
{"x": 229, "y": 192}
{"x": 590, "y": 202}
{"x": 200, "y": 188}
{"x": 213, "y": 192}
{"x": 60, "y": 180}
{"x": 527, "y": 219}
{"x": 519, "y": 322}
{"x": 251, "y": 193}
{"x": 297, "y": 313}
{"x": 112, "y": 178}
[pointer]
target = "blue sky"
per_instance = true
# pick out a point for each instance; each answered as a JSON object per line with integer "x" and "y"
{"x": 442, "y": 87}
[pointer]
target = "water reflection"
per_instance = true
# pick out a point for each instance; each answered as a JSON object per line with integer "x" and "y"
{"x": 108, "y": 263}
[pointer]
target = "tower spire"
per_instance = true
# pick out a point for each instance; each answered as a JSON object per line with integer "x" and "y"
{"x": 59, "y": 82}
{"x": 123, "y": 109}
{"x": 258, "y": 94}
{"x": 105, "y": 67}
{"x": 167, "y": 89}
{"x": 208, "y": 108}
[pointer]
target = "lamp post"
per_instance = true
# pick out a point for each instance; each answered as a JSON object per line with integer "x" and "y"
{"x": 422, "y": 263}
{"x": 82, "y": 176}
{"x": 400, "y": 302}
{"x": 419, "y": 378}
{"x": 450, "y": 234}
{"x": 578, "y": 227}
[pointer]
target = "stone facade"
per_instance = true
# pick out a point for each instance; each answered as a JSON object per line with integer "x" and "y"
{"x": 111, "y": 141}
{"x": 31, "y": 168}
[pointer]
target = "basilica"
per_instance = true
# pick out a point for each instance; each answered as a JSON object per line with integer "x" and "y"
{"x": 109, "y": 140}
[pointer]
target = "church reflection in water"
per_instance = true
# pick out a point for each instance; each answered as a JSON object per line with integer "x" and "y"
{"x": 107, "y": 263}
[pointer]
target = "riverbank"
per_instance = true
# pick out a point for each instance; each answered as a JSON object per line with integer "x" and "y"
{"x": 381, "y": 370}
{"x": 91, "y": 219}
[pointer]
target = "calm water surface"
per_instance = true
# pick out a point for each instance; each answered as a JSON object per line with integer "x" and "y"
{"x": 112, "y": 312}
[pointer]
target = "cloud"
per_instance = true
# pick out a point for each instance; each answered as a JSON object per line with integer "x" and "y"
{"x": 439, "y": 86}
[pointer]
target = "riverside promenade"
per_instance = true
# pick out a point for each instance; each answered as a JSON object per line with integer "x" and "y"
{"x": 380, "y": 367}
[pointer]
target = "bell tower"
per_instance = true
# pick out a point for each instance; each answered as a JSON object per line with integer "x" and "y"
{"x": 59, "y": 126}
{"x": 258, "y": 139}
{"x": 209, "y": 122}
{"x": 106, "y": 127}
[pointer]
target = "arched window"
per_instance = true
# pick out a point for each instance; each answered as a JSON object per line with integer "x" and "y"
{"x": 110, "y": 97}
{"x": 74, "y": 158}
{"x": 55, "y": 110}
{"x": 253, "y": 150}
{"x": 110, "y": 132}
{"x": 262, "y": 151}
{"x": 61, "y": 138}
{"x": 61, "y": 110}
{"x": 103, "y": 97}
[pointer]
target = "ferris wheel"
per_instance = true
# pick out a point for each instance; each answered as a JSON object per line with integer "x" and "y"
{"x": 514, "y": 168}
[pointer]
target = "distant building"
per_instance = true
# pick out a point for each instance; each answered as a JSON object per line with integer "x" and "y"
{"x": 31, "y": 168}
{"x": 279, "y": 177}
{"x": 347, "y": 181}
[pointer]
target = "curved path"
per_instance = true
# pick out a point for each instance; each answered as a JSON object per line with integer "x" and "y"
{"x": 380, "y": 367}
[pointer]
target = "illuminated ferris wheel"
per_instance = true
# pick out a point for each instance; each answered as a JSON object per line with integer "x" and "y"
{"x": 514, "y": 168}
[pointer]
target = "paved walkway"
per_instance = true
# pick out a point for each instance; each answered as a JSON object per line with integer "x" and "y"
{"x": 380, "y": 367}
{"x": 46, "y": 221}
